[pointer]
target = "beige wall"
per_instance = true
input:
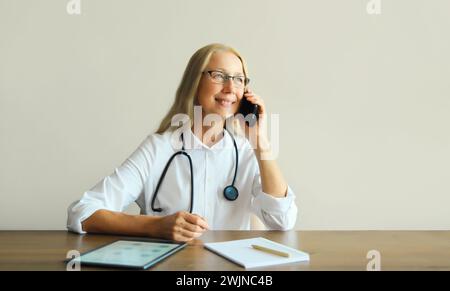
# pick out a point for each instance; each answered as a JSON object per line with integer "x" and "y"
{"x": 364, "y": 100}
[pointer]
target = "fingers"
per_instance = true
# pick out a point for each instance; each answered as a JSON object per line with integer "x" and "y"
{"x": 182, "y": 233}
{"x": 255, "y": 99}
{"x": 186, "y": 226}
{"x": 188, "y": 234}
{"x": 196, "y": 220}
{"x": 248, "y": 94}
{"x": 193, "y": 227}
{"x": 181, "y": 238}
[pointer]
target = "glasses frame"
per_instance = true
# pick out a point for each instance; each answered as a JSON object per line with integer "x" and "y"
{"x": 227, "y": 77}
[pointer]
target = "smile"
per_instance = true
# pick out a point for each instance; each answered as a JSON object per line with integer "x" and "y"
{"x": 224, "y": 102}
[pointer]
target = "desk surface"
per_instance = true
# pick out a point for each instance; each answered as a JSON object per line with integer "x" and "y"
{"x": 329, "y": 250}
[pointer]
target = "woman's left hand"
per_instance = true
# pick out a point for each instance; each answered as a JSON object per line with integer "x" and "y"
{"x": 255, "y": 99}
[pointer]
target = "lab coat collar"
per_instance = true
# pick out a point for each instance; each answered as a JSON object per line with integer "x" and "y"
{"x": 224, "y": 143}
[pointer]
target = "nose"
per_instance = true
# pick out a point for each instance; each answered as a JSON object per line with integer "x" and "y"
{"x": 228, "y": 86}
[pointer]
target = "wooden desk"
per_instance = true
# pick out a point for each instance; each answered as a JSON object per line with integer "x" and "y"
{"x": 329, "y": 250}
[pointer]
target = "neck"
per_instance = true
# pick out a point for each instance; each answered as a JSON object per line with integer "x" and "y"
{"x": 209, "y": 135}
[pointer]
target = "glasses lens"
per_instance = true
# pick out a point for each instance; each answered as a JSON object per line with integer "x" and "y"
{"x": 218, "y": 77}
{"x": 239, "y": 81}
{"x": 221, "y": 78}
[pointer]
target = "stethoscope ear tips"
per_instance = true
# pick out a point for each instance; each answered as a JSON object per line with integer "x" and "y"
{"x": 230, "y": 193}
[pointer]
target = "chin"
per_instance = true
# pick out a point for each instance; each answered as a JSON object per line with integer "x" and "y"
{"x": 224, "y": 114}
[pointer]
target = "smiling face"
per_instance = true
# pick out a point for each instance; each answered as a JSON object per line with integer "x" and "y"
{"x": 222, "y": 99}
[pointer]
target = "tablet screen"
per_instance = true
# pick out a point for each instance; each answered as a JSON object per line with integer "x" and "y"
{"x": 133, "y": 254}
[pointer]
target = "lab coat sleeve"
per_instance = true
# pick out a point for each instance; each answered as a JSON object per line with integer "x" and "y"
{"x": 275, "y": 213}
{"x": 116, "y": 191}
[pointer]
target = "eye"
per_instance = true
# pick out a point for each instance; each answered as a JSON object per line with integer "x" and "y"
{"x": 218, "y": 76}
{"x": 239, "y": 80}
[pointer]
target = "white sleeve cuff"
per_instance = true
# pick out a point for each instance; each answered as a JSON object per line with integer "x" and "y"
{"x": 77, "y": 213}
{"x": 275, "y": 205}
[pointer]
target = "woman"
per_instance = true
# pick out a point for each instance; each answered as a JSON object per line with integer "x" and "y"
{"x": 215, "y": 79}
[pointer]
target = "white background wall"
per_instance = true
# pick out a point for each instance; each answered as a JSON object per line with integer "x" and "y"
{"x": 364, "y": 100}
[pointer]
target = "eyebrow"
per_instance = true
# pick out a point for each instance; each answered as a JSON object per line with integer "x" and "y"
{"x": 236, "y": 73}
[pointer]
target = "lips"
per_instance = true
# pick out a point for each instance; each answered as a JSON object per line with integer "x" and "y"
{"x": 227, "y": 102}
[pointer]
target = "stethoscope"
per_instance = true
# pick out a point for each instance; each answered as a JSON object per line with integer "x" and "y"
{"x": 230, "y": 192}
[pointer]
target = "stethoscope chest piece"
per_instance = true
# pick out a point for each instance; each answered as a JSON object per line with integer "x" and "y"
{"x": 231, "y": 193}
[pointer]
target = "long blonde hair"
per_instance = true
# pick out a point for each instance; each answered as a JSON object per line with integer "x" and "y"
{"x": 187, "y": 90}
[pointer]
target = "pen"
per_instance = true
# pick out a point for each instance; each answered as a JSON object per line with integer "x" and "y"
{"x": 271, "y": 251}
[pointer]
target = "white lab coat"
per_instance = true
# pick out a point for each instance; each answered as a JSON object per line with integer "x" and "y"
{"x": 137, "y": 177}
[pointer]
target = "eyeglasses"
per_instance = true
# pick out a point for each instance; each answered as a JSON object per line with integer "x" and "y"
{"x": 220, "y": 77}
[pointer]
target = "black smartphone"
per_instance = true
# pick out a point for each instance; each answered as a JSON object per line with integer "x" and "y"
{"x": 249, "y": 111}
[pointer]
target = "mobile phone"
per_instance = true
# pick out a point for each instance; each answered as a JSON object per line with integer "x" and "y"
{"x": 249, "y": 111}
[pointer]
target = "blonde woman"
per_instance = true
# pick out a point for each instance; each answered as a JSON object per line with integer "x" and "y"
{"x": 205, "y": 185}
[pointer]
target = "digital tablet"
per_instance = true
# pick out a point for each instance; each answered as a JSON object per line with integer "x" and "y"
{"x": 135, "y": 254}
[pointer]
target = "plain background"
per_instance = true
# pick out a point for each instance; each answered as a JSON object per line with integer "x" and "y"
{"x": 364, "y": 100}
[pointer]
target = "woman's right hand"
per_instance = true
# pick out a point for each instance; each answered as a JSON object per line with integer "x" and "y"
{"x": 181, "y": 226}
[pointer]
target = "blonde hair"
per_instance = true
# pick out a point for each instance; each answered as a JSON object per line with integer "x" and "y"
{"x": 187, "y": 90}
